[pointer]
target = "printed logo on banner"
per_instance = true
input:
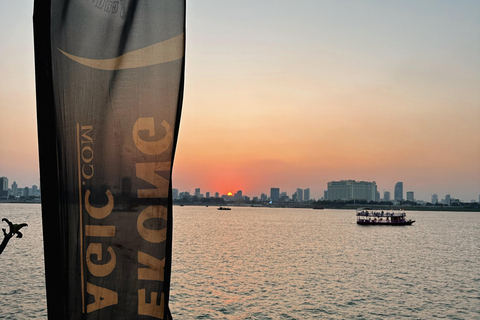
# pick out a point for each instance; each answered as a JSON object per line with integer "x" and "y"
{"x": 147, "y": 171}
{"x": 165, "y": 51}
{"x": 110, "y": 6}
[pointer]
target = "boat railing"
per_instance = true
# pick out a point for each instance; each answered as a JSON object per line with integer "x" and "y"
{"x": 380, "y": 214}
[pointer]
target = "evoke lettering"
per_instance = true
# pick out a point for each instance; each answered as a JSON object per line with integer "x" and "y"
{"x": 105, "y": 257}
{"x": 99, "y": 257}
{"x": 148, "y": 172}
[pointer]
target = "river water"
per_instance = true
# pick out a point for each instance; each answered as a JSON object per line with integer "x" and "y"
{"x": 277, "y": 263}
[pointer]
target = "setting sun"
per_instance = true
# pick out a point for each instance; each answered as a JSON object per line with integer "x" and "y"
{"x": 229, "y": 194}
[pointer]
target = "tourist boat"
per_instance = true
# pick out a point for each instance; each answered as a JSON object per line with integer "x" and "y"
{"x": 224, "y": 208}
{"x": 367, "y": 216}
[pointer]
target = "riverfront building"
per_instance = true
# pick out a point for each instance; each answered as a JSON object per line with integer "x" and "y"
{"x": 274, "y": 194}
{"x": 3, "y": 183}
{"x": 299, "y": 195}
{"x": 386, "y": 196}
{"x": 306, "y": 194}
{"x": 398, "y": 191}
{"x": 352, "y": 190}
{"x": 410, "y": 196}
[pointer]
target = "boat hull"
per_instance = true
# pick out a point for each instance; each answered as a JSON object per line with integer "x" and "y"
{"x": 385, "y": 223}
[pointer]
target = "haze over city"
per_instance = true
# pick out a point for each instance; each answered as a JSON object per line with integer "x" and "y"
{"x": 295, "y": 94}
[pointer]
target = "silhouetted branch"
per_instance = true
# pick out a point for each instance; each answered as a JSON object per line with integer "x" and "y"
{"x": 14, "y": 229}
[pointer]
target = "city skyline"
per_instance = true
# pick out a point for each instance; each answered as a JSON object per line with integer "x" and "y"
{"x": 318, "y": 193}
{"x": 8, "y": 188}
{"x": 299, "y": 94}
{"x": 408, "y": 194}
{"x": 383, "y": 195}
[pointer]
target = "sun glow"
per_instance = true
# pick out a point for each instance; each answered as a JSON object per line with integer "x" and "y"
{"x": 229, "y": 194}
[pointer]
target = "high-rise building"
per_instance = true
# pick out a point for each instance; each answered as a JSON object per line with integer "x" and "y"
{"x": 410, "y": 196}
{"x": 386, "y": 196}
{"x": 207, "y": 195}
{"x": 325, "y": 194}
{"x": 306, "y": 194}
{"x": 434, "y": 198}
{"x": 447, "y": 199}
{"x": 3, "y": 184}
{"x": 263, "y": 197}
{"x": 174, "y": 193}
{"x": 352, "y": 190}
{"x": 398, "y": 194}
{"x": 274, "y": 194}
{"x": 217, "y": 195}
{"x": 299, "y": 195}
{"x": 238, "y": 195}
{"x": 14, "y": 189}
{"x": 35, "y": 190}
{"x": 3, "y": 187}
{"x": 197, "y": 192}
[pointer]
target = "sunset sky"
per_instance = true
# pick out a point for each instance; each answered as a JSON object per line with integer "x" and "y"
{"x": 293, "y": 94}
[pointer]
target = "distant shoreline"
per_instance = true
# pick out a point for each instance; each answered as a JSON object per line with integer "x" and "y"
{"x": 339, "y": 207}
{"x": 345, "y": 207}
{"x": 20, "y": 202}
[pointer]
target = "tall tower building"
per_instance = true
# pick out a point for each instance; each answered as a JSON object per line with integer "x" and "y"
{"x": 14, "y": 188}
{"x": 299, "y": 195}
{"x": 174, "y": 193}
{"x": 447, "y": 199}
{"x": 207, "y": 195}
{"x": 306, "y": 194}
{"x": 434, "y": 198}
{"x": 274, "y": 194}
{"x": 386, "y": 196}
{"x": 197, "y": 192}
{"x": 3, "y": 187}
{"x": 35, "y": 190}
{"x": 3, "y": 184}
{"x": 238, "y": 195}
{"x": 398, "y": 191}
{"x": 410, "y": 196}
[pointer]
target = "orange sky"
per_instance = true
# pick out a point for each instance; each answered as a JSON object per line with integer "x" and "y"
{"x": 298, "y": 94}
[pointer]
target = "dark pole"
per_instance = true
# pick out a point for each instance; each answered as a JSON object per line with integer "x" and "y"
{"x": 47, "y": 148}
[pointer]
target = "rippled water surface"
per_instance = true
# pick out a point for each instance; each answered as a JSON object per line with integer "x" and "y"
{"x": 22, "y": 272}
{"x": 267, "y": 263}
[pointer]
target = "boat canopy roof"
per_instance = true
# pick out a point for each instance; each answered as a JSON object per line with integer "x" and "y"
{"x": 368, "y": 212}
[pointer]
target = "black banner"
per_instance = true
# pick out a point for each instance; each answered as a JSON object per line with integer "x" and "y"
{"x": 109, "y": 80}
